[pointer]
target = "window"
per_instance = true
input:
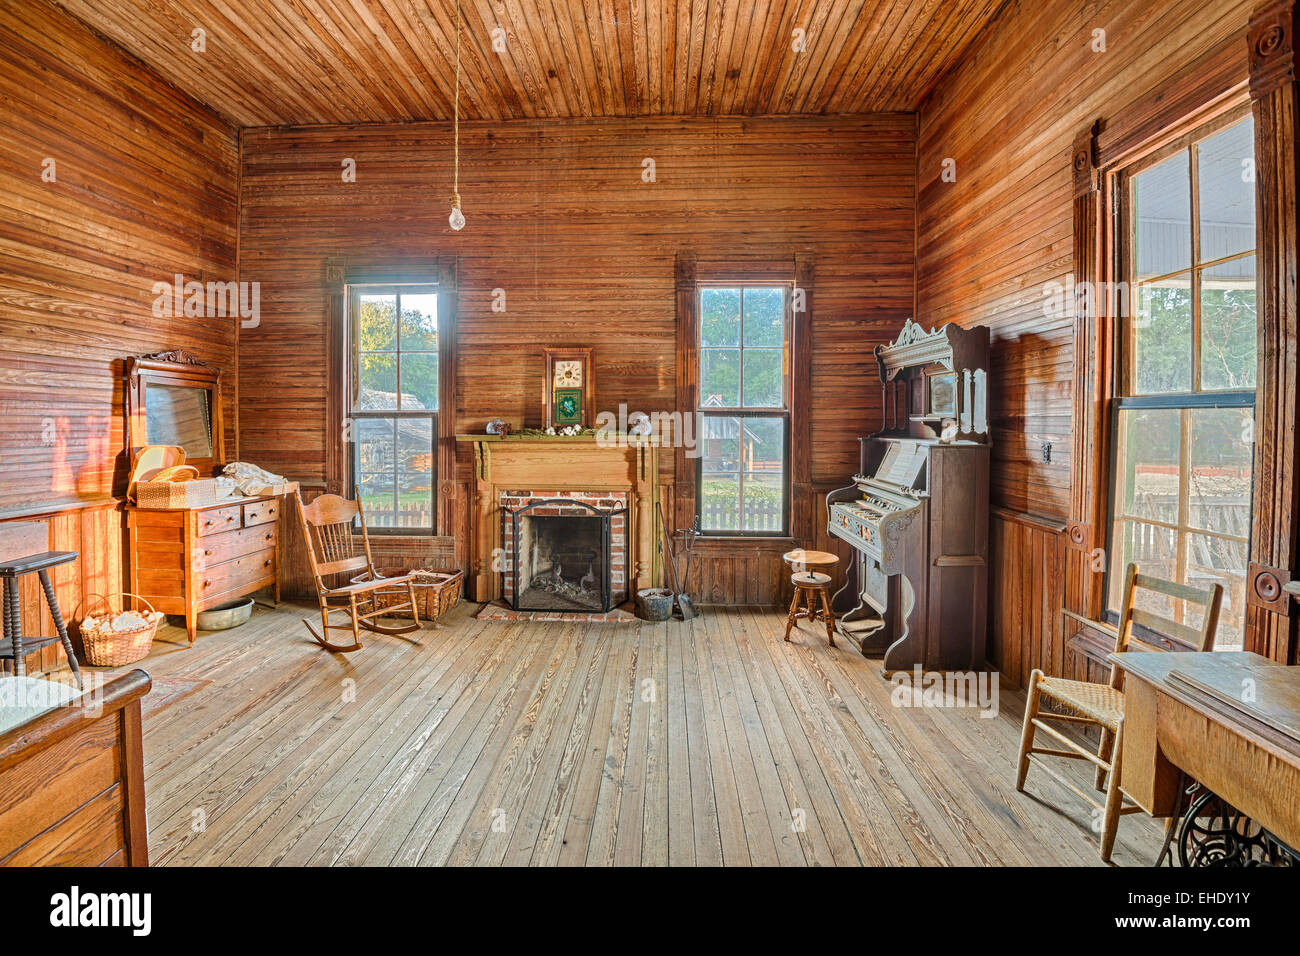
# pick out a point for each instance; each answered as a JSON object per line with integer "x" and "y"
{"x": 1183, "y": 418}
{"x": 394, "y": 374}
{"x": 744, "y": 409}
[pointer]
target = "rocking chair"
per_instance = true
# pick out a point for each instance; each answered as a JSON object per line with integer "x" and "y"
{"x": 365, "y": 597}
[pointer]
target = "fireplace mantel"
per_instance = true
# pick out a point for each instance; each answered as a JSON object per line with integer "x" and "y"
{"x": 559, "y": 464}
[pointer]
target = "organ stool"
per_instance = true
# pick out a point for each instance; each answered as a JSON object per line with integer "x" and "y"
{"x": 811, "y": 586}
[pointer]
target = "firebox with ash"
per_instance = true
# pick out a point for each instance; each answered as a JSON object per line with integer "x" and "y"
{"x": 562, "y": 560}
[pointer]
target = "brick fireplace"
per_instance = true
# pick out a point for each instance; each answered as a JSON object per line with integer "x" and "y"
{"x": 576, "y": 477}
{"x": 564, "y": 551}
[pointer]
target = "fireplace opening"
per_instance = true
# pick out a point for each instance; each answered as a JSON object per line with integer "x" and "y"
{"x": 562, "y": 557}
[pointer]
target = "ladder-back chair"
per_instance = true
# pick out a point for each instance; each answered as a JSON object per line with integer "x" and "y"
{"x": 1102, "y": 705}
{"x": 346, "y": 580}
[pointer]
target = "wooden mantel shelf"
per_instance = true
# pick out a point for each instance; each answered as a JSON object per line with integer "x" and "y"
{"x": 635, "y": 441}
{"x": 505, "y": 463}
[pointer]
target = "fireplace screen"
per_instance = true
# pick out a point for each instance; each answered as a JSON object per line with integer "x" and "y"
{"x": 561, "y": 556}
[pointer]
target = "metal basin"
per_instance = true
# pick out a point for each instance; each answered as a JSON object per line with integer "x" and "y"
{"x": 223, "y": 616}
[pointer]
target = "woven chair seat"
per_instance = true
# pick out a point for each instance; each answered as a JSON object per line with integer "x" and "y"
{"x": 1101, "y": 702}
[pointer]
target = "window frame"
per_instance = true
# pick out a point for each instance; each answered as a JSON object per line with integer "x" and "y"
{"x": 1122, "y": 395}
{"x": 741, "y": 412}
{"x": 352, "y": 292}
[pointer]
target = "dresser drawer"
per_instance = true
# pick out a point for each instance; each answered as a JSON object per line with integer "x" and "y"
{"x": 231, "y": 574}
{"x": 218, "y": 519}
{"x": 217, "y": 548}
{"x": 261, "y": 512}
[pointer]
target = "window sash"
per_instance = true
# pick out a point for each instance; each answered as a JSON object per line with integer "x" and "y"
{"x": 357, "y": 414}
{"x": 742, "y": 348}
{"x": 701, "y": 476}
{"x": 1127, "y": 398}
{"x": 396, "y": 472}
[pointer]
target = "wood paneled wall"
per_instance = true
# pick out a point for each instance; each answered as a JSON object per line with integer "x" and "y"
{"x": 145, "y": 186}
{"x": 995, "y": 246}
{"x": 562, "y": 221}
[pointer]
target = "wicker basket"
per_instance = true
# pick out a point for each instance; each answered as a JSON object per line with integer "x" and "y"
{"x": 441, "y": 589}
{"x": 105, "y": 648}
{"x": 176, "y": 494}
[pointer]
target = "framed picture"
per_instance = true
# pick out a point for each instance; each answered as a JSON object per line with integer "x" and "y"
{"x": 567, "y": 388}
{"x": 943, "y": 393}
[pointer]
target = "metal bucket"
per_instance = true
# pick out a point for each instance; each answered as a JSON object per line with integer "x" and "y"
{"x": 654, "y": 604}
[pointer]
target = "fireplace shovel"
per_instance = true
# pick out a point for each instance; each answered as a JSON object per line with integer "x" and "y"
{"x": 681, "y": 602}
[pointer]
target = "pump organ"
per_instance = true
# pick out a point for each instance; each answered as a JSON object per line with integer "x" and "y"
{"x": 917, "y": 511}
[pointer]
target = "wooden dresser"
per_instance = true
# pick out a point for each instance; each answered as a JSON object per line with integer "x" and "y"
{"x": 187, "y": 560}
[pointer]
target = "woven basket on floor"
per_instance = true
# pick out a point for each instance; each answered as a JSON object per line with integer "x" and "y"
{"x": 104, "y": 648}
{"x": 441, "y": 590}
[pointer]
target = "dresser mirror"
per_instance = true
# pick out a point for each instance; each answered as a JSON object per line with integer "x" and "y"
{"x": 173, "y": 398}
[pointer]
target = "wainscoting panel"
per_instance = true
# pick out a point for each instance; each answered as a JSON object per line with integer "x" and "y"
{"x": 1027, "y": 595}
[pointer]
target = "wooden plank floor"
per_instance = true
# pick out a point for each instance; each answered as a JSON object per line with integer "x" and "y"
{"x": 550, "y": 743}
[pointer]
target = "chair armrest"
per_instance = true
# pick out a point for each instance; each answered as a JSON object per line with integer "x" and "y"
{"x": 361, "y": 587}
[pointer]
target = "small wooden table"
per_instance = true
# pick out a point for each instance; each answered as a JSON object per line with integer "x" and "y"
{"x": 1228, "y": 719}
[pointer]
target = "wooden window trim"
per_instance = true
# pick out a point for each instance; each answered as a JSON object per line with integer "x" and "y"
{"x": 690, "y": 273}
{"x": 1201, "y": 93}
{"x": 742, "y": 411}
{"x": 340, "y": 273}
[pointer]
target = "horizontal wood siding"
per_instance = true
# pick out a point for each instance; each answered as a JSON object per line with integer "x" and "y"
{"x": 583, "y": 250}
{"x": 145, "y": 187}
{"x": 994, "y": 243}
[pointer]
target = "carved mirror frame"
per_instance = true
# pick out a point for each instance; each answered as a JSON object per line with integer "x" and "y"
{"x": 175, "y": 368}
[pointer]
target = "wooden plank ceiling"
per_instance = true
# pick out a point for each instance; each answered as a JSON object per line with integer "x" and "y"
{"x": 272, "y": 63}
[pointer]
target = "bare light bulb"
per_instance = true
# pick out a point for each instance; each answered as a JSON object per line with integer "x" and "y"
{"x": 457, "y": 218}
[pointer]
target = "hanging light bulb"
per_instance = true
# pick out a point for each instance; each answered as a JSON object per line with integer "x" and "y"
{"x": 457, "y": 218}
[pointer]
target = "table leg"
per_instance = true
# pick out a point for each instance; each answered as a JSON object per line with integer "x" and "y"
{"x": 53, "y": 603}
{"x": 14, "y": 626}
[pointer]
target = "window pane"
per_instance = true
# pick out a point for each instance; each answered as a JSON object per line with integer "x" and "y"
{"x": 1228, "y": 325}
{"x": 1221, "y": 459}
{"x": 376, "y": 323}
{"x": 1154, "y": 549}
{"x": 1226, "y": 191}
{"x": 1162, "y": 336}
{"x": 765, "y": 317}
{"x": 720, "y": 503}
{"x": 719, "y": 317}
{"x": 720, "y": 378}
{"x": 415, "y": 468}
{"x": 1162, "y": 199}
{"x": 1146, "y": 471}
{"x": 378, "y": 375}
{"x": 721, "y": 444}
{"x": 764, "y": 378}
{"x": 419, "y": 380}
{"x": 376, "y": 461}
{"x": 420, "y": 322}
{"x": 1213, "y": 561}
{"x": 763, "y": 489}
